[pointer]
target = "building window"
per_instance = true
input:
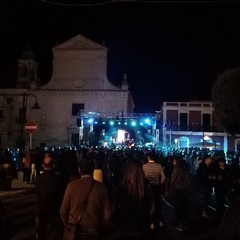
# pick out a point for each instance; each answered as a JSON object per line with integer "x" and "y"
{"x": 172, "y": 104}
{"x": 183, "y": 121}
{"x": 1, "y": 114}
{"x": 194, "y": 104}
{"x": 24, "y": 71}
{"x": 206, "y": 123}
{"x": 183, "y": 104}
{"x": 76, "y": 108}
{"x": 75, "y": 139}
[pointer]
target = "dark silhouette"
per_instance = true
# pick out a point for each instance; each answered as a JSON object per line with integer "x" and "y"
{"x": 134, "y": 203}
{"x": 96, "y": 212}
{"x": 49, "y": 189}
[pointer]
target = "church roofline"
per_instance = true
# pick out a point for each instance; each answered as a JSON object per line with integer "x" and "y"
{"x": 67, "y": 44}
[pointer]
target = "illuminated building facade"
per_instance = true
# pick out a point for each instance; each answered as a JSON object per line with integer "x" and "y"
{"x": 79, "y": 83}
{"x": 194, "y": 124}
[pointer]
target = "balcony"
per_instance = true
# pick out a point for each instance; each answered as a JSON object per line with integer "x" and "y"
{"x": 194, "y": 128}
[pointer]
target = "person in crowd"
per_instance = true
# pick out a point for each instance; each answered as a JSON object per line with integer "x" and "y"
{"x": 8, "y": 163}
{"x": 205, "y": 177}
{"x": 72, "y": 170}
{"x": 97, "y": 174}
{"x": 47, "y": 157}
{"x": 26, "y": 159}
{"x": 71, "y": 164}
{"x": 154, "y": 172}
{"x": 221, "y": 185}
{"x": 234, "y": 175}
{"x": 168, "y": 168}
{"x": 134, "y": 202}
{"x": 196, "y": 164}
{"x": 33, "y": 173}
{"x": 180, "y": 191}
{"x": 49, "y": 190}
{"x": 97, "y": 209}
{"x": 229, "y": 228}
{"x": 8, "y": 228}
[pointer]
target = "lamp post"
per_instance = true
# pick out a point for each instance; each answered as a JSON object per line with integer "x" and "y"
{"x": 22, "y": 111}
{"x": 176, "y": 142}
{"x": 23, "y": 115}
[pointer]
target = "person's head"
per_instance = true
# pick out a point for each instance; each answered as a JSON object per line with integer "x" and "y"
{"x": 151, "y": 155}
{"x": 221, "y": 162}
{"x": 86, "y": 165}
{"x": 133, "y": 179}
{"x": 208, "y": 160}
{"x": 179, "y": 162}
{"x": 176, "y": 161}
{"x": 47, "y": 154}
{"x": 48, "y": 163}
{"x": 235, "y": 161}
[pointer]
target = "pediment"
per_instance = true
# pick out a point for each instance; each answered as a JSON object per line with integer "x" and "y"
{"x": 79, "y": 42}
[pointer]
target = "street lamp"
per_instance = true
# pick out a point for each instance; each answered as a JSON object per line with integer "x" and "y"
{"x": 23, "y": 109}
{"x": 176, "y": 142}
{"x": 23, "y": 113}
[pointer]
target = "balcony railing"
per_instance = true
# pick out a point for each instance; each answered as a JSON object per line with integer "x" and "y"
{"x": 196, "y": 128}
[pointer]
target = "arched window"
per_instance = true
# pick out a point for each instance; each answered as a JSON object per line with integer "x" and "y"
{"x": 183, "y": 142}
{"x": 24, "y": 71}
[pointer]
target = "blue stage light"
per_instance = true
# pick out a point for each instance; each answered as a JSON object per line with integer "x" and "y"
{"x": 147, "y": 121}
{"x": 90, "y": 120}
{"x": 133, "y": 123}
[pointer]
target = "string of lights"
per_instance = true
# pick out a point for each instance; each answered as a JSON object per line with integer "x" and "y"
{"x": 119, "y": 115}
{"x": 77, "y": 4}
{"x": 87, "y": 4}
{"x": 97, "y": 3}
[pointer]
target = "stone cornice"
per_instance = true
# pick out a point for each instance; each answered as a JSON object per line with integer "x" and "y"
{"x": 84, "y": 93}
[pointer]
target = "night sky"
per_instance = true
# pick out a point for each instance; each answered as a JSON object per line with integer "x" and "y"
{"x": 170, "y": 51}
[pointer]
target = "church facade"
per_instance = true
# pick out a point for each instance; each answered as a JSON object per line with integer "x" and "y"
{"x": 79, "y": 87}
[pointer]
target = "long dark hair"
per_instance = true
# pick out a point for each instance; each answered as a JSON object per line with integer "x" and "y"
{"x": 133, "y": 179}
{"x": 181, "y": 174}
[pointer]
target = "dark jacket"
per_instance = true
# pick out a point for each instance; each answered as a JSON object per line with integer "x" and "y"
{"x": 203, "y": 174}
{"x": 229, "y": 228}
{"x": 133, "y": 215}
{"x": 49, "y": 190}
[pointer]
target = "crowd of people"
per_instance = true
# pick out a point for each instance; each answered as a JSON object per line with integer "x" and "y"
{"x": 119, "y": 193}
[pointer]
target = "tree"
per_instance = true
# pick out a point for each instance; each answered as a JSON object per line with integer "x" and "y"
{"x": 226, "y": 100}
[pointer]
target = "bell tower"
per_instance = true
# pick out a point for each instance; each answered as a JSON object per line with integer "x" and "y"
{"x": 27, "y": 69}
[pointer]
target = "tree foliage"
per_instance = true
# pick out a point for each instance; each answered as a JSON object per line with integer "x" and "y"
{"x": 226, "y": 100}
